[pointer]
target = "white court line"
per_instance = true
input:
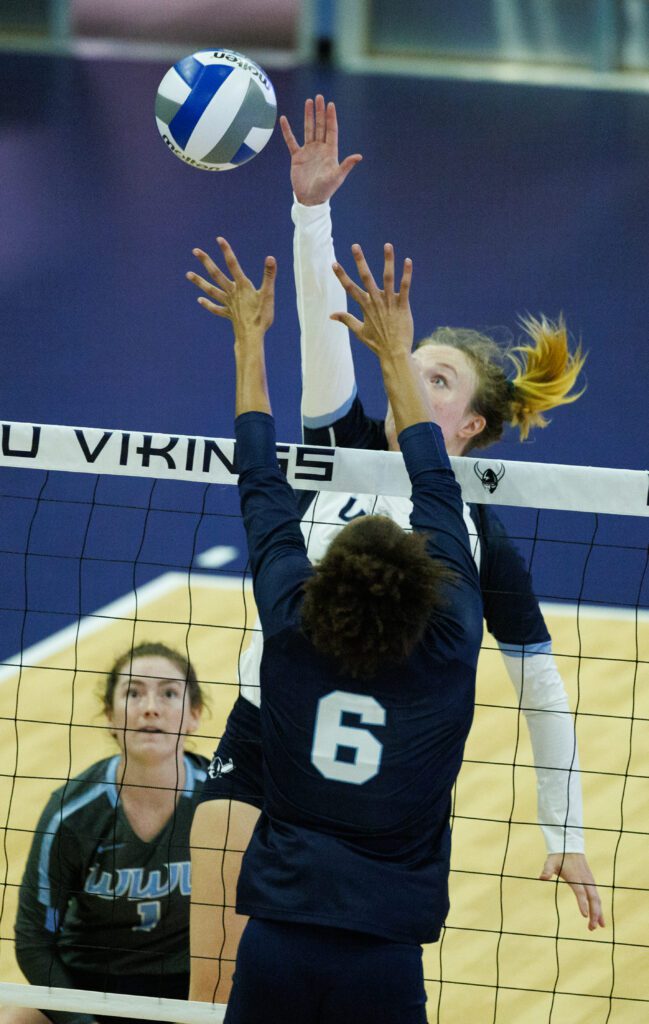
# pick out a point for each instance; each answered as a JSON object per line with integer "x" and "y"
{"x": 162, "y": 585}
{"x": 122, "y": 607}
{"x": 568, "y": 609}
{"x": 217, "y": 557}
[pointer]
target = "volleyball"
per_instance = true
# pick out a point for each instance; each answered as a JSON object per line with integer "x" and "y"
{"x": 215, "y": 109}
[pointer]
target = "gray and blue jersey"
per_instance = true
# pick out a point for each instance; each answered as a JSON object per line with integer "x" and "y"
{"x": 95, "y": 896}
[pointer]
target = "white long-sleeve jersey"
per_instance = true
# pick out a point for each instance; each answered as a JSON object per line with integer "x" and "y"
{"x": 333, "y": 415}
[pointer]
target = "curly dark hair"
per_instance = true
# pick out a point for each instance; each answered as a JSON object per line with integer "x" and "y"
{"x": 371, "y": 596}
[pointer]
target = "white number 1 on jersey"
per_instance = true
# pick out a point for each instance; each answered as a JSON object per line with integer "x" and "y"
{"x": 330, "y": 735}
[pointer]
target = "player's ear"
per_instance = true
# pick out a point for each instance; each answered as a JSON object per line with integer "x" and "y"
{"x": 191, "y": 719}
{"x": 472, "y": 427}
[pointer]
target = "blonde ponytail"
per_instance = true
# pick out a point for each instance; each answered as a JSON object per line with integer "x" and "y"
{"x": 546, "y": 372}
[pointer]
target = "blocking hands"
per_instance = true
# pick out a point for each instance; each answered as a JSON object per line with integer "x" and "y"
{"x": 386, "y": 328}
{"x": 250, "y": 309}
{"x": 315, "y": 171}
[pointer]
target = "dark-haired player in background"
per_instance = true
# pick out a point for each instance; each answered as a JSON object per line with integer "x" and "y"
{"x": 104, "y": 902}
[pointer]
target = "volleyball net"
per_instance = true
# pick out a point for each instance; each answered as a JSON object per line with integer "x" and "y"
{"x": 111, "y": 538}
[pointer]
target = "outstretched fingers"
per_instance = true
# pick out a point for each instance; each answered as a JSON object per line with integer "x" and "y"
{"x": 351, "y": 322}
{"x": 350, "y": 286}
{"x": 349, "y": 163}
{"x": 387, "y": 320}
{"x": 331, "y": 123}
{"x": 212, "y": 269}
{"x": 231, "y": 260}
{"x": 237, "y": 299}
{"x": 213, "y": 308}
{"x": 364, "y": 271}
{"x": 309, "y": 122}
{"x": 365, "y": 274}
{"x": 206, "y": 286}
{"x": 389, "y": 274}
{"x": 320, "y": 118}
{"x": 320, "y": 125}
{"x": 388, "y": 268}
{"x": 289, "y": 138}
{"x": 406, "y": 280}
{"x": 267, "y": 289}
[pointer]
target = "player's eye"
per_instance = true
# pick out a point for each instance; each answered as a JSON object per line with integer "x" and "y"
{"x": 439, "y": 381}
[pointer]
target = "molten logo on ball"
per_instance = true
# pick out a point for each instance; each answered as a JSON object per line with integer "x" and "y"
{"x": 215, "y": 109}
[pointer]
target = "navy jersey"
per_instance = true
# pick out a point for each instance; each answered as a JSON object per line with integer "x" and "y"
{"x": 96, "y": 897}
{"x": 357, "y": 775}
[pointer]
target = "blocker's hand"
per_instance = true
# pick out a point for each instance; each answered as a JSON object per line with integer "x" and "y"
{"x": 250, "y": 309}
{"x": 387, "y": 327}
{"x": 573, "y": 868}
{"x": 315, "y": 171}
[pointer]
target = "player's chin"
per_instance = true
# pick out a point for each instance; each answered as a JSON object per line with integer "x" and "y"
{"x": 152, "y": 748}
{"x": 144, "y": 738}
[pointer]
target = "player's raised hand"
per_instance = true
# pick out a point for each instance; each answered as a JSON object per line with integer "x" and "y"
{"x": 573, "y": 868}
{"x": 250, "y": 309}
{"x": 386, "y": 327}
{"x": 315, "y": 171}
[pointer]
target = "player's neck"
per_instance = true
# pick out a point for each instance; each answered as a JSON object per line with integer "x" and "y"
{"x": 149, "y": 794}
{"x": 151, "y": 778}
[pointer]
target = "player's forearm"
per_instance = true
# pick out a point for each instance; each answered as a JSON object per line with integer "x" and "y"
{"x": 328, "y": 381}
{"x": 544, "y": 703}
{"x": 251, "y": 387}
{"x": 41, "y": 964}
{"x": 404, "y": 388}
{"x": 557, "y": 778}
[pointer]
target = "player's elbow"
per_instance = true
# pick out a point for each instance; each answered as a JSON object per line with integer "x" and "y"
{"x": 472, "y": 623}
{"x": 29, "y": 953}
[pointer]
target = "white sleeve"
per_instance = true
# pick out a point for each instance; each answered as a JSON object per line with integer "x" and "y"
{"x": 250, "y": 665}
{"x": 328, "y": 381}
{"x": 542, "y": 699}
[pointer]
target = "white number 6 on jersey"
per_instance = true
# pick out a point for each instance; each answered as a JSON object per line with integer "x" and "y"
{"x": 330, "y": 734}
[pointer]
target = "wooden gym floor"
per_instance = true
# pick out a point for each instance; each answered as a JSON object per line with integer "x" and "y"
{"x": 514, "y": 948}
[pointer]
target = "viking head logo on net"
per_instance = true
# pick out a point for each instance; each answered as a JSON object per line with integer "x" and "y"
{"x": 489, "y": 478}
{"x": 217, "y": 768}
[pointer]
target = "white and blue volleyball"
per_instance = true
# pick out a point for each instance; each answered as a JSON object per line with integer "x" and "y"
{"x": 216, "y": 109}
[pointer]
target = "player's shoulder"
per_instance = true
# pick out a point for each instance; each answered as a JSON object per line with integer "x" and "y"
{"x": 97, "y": 774}
{"x": 81, "y": 794}
{"x": 196, "y": 766}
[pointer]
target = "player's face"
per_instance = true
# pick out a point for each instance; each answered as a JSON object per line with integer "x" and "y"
{"x": 450, "y": 381}
{"x": 151, "y": 709}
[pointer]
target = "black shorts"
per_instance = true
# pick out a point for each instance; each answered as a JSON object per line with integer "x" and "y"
{"x": 315, "y": 975}
{"x": 235, "y": 771}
